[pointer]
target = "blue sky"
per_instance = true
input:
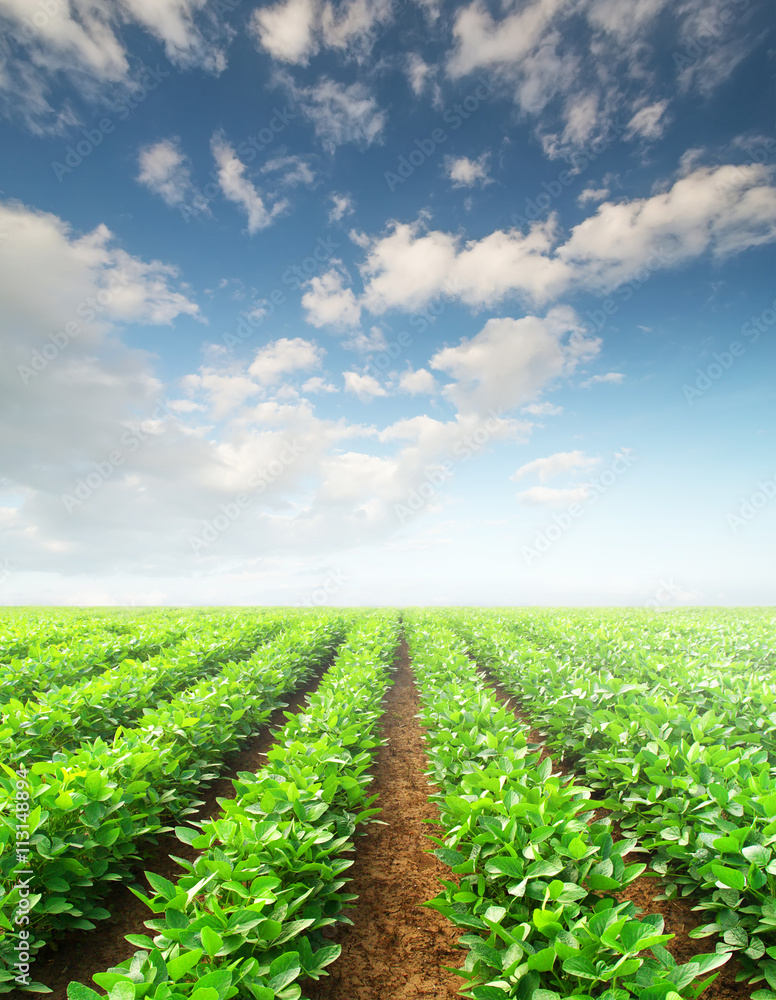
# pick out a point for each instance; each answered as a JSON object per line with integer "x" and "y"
{"x": 387, "y": 302}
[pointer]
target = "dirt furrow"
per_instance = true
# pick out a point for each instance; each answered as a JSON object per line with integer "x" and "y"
{"x": 396, "y": 948}
{"x": 79, "y": 955}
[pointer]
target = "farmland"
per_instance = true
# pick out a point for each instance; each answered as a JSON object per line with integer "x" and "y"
{"x": 350, "y": 803}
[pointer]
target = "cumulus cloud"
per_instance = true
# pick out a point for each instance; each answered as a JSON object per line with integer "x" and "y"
{"x": 556, "y": 465}
{"x": 164, "y": 169}
{"x": 648, "y": 122}
{"x": 464, "y": 172}
{"x": 410, "y": 265}
{"x": 340, "y": 113}
{"x": 418, "y": 382}
{"x": 294, "y": 30}
{"x": 83, "y": 42}
{"x": 542, "y": 409}
{"x": 238, "y": 188}
{"x": 284, "y": 357}
{"x": 507, "y": 363}
{"x": 328, "y": 303}
{"x": 610, "y": 377}
{"x": 366, "y": 387}
{"x": 601, "y": 65}
{"x": 341, "y": 205}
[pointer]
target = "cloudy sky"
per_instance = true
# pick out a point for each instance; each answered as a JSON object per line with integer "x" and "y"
{"x": 387, "y": 301}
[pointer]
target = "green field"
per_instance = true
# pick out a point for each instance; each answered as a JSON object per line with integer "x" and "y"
{"x": 596, "y": 776}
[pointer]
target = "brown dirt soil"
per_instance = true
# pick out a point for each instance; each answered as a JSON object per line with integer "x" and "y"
{"x": 77, "y": 957}
{"x": 396, "y": 949}
{"x": 677, "y": 913}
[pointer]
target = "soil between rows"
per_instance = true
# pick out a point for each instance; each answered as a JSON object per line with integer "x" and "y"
{"x": 78, "y": 956}
{"x": 396, "y": 948}
{"x": 677, "y": 913}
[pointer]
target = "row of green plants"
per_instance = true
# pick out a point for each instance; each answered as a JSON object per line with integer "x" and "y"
{"x": 50, "y": 665}
{"x": 23, "y": 629}
{"x": 741, "y": 638}
{"x": 92, "y": 708}
{"x": 533, "y": 878}
{"x": 89, "y": 812}
{"x": 729, "y": 674}
{"x": 246, "y": 918}
{"x": 696, "y": 789}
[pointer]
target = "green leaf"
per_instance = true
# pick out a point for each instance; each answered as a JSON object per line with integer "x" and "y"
{"x": 284, "y": 970}
{"x": 212, "y": 941}
{"x": 729, "y": 876}
{"x": 77, "y": 991}
{"x": 178, "y": 967}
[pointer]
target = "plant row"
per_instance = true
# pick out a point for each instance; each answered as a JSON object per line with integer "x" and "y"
{"x": 246, "y": 918}
{"x": 94, "y": 708}
{"x": 535, "y": 877}
{"x": 704, "y": 806}
{"x": 87, "y": 812}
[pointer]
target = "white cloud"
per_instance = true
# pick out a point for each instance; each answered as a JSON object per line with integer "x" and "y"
{"x": 236, "y": 187}
{"x": 318, "y": 384}
{"x": 294, "y": 30}
{"x": 418, "y": 72}
{"x": 545, "y": 496}
{"x": 410, "y": 266}
{"x": 366, "y": 343}
{"x": 542, "y": 409}
{"x": 610, "y": 377}
{"x": 464, "y": 172}
{"x": 510, "y": 360}
{"x": 293, "y": 170}
{"x": 329, "y": 304}
{"x": 601, "y": 65}
{"x": 341, "y": 205}
{"x": 285, "y": 30}
{"x": 592, "y": 194}
{"x": 340, "y": 113}
{"x": 419, "y": 382}
{"x": 82, "y": 41}
{"x": 283, "y": 357}
{"x": 164, "y": 169}
{"x": 366, "y": 387}
{"x": 648, "y": 122}
{"x": 555, "y": 465}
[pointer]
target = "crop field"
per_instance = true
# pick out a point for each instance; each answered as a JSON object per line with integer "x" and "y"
{"x": 351, "y": 804}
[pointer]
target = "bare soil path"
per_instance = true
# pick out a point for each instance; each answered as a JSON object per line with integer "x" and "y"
{"x": 396, "y": 949}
